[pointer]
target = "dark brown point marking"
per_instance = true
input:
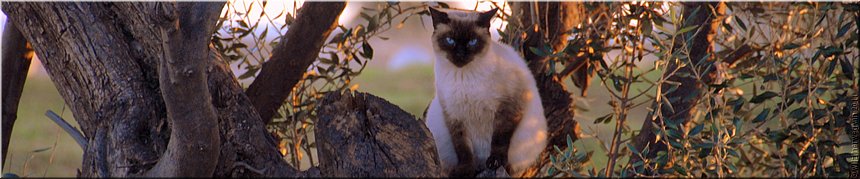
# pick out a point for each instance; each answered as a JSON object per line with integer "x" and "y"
{"x": 508, "y": 116}
{"x": 462, "y": 41}
{"x": 461, "y": 52}
{"x": 465, "y": 159}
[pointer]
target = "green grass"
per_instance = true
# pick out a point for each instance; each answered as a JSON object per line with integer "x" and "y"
{"x": 410, "y": 88}
{"x": 38, "y": 147}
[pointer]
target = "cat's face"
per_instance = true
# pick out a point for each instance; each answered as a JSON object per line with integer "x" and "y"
{"x": 461, "y": 35}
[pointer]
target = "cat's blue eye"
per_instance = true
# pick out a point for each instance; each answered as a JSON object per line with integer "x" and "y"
{"x": 449, "y": 40}
{"x": 473, "y": 42}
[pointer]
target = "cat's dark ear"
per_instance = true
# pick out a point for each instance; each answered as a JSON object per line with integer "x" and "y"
{"x": 438, "y": 17}
{"x": 485, "y": 17}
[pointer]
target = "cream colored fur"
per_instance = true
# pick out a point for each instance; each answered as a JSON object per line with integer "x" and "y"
{"x": 473, "y": 92}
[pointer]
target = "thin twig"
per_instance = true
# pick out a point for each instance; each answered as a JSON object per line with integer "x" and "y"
{"x": 68, "y": 128}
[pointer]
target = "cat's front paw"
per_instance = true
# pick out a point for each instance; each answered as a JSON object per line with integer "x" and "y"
{"x": 494, "y": 162}
{"x": 463, "y": 170}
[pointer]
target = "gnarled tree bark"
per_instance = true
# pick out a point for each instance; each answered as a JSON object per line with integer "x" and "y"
{"x": 361, "y": 135}
{"x": 104, "y": 57}
{"x": 181, "y": 76}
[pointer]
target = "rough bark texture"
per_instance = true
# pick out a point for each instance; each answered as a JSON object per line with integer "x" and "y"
{"x": 556, "y": 18}
{"x": 688, "y": 93}
{"x": 16, "y": 63}
{"x": 291, "y": 58}
{"x": 361, "y": 135}
{"x": 181, "y": 75}
{"x": 103, "y": 58}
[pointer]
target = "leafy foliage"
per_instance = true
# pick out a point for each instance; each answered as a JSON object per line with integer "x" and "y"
{"x": 775, "y": 104}
{"x": 343, "y": 57}
{"x": 779, "y": 110}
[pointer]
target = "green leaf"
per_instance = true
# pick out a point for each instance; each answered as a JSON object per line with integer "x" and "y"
{"x": 537, "y": 51}
{"x": 732, "y": 167}
{"x": 790, "y": 46}
{"x": 798, "y": 113}
{"x": 444, "y": 5}
{"x": 843, "y": 30}
{"x": 799, "y": 96}
{"x": 607, "y": 117}
{"x": 761, "y": 116}
{"x": 633, "y": 149}
{"x": 250, "y": 73}
{"x": 696, "y": 130}
{"x": 737, "y": 103}
{"x": 732, "y": 152}
{"x": 687, "y": 29}
{"x": 367, "y": 51}
{"x": 337, "y": 38}
{"x": 680, "y": 170}
{"x": 365, "y": 16}
{"x": 242, "y": 23}
{"x": 41, "y": 150}
{"x": 646, "y": 27}
{"x": 792, "y": 156}
{"x": 741, "y": 23}
{"x": 847, "y": 68}
{"x": 762, "y": 97}
{"x": 776, "y": 136}
{"x": 830, "y": 51}
{"x": 704, "y": 152}
{"x": 550, "y": 171}
{"x": 334, "y": 57}
{"x": 569, "y": 142}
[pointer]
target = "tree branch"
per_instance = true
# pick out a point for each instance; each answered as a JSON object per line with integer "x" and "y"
{"x": 291, "y": 58}
{"x": 556, "y": 100}
{"x": 16, "y": 62}
{"x": 194, "y": 140}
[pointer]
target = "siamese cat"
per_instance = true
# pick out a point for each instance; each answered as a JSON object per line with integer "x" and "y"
{"x": 486, "y": 112}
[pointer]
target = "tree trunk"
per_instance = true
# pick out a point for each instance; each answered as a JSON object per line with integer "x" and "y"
{"x": 556, "y": 19}
{"x": 16, "y": 62}
{"x": 104, "y": 58}
{"x": 361, "y": 135}
{"x": 183, "y": 85}
{"x": 690, "y": 90}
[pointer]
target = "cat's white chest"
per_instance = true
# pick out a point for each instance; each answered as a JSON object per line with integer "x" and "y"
{"x": 469, "y": 101}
